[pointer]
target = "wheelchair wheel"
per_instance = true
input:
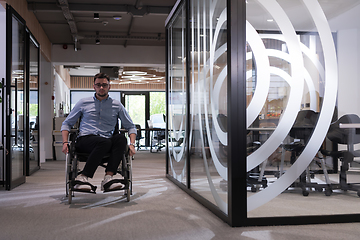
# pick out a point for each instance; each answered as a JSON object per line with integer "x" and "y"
{"x": 128, "y": 176}
{"x": 67, "y": 174}
{"x": 72, "y": 175}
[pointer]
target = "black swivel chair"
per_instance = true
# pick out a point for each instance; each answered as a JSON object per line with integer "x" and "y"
{"x": 254, "y": 179}
{"x": 158, "y": 137}
{"x": 348, "y": 137}
{"x": 302, "y": 129}
{"x": 138, "y": 136}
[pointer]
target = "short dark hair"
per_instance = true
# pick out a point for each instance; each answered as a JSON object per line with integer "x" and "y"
{"x": 102, "y": 75}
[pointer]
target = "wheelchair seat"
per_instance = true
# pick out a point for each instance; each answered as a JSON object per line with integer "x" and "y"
{"x": 73, "y": 158}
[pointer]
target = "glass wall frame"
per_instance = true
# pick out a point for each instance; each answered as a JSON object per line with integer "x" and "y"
{"x": 238, "y": 39}
{"x": 15, "y": 111}
{"x": 20, "y": 102}
{"x": 32, "y": 99}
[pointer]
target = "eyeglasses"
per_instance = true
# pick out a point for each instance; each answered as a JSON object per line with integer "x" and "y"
{"x": 104, "y": 85}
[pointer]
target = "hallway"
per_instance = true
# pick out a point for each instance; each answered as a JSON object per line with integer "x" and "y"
{"x": 158, "y": 209}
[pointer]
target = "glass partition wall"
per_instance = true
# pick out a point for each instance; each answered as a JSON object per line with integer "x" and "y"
{"x": 262, "y": 115}
{"x": 20, "y": 102}
{"x": 176, "y": 98}
{"x": 33, "y": 160}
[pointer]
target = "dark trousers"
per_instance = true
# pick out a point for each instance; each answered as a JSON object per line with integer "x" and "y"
{"x": 98, "y": 147}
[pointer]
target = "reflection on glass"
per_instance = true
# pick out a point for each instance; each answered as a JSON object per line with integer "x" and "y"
{"x": 17, "y": 103}
{"x": 177, "y": 99}
{"x": 208, "y": 98}
{"x": 34, "y": 108}
{"x": 291, "y": 92}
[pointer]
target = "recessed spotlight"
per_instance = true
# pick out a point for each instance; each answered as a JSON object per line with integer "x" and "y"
{"x": 270, "y": 20}
{"x": 117, "y": 18}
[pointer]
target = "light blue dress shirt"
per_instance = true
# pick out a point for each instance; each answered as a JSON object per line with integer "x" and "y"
{"x": 98, "y": 117}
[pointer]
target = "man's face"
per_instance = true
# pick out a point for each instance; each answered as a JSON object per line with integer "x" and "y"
{"x": 102, "y": 87}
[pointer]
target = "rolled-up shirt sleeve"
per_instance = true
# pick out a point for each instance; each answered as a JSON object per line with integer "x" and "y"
{"x": 74, "y": 115}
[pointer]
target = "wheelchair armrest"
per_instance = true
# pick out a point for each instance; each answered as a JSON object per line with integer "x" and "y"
{"x": 73, "y": 135}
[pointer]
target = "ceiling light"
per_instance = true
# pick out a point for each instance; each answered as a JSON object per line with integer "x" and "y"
{"x": 96, "y": 16}
{"x": 270, "y": 20}
{"x": 117, "y": 18}
{"x": 134, "y": 73}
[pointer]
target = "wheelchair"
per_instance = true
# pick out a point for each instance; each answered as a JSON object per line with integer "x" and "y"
{"x": 73, "y": 158}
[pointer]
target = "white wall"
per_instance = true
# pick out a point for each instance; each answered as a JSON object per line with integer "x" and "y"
{"x": 62, "y": 94}
{"x": 347, "y": 27}
{"x": 348, "y": 58}
{"x": 46, "y": 111}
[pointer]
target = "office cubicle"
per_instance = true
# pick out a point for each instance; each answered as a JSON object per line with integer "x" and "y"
{"x": 255, "y": 90}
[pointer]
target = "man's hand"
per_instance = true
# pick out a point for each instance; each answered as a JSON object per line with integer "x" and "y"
{"x": 65, "y": 137}
{"x": 65, "y": 148}
{"x": 131, "y": 150}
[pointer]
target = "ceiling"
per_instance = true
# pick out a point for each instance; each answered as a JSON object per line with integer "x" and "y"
{"x": 73, "y": 23}
{"x": 118, "y": 22}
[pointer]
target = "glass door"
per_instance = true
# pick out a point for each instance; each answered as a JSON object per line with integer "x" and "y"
{"x": 33, "y": 160}
{"x": 15, "y": 111}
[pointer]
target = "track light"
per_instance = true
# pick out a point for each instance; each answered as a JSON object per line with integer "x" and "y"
{"x": 96, "y": 16}
{"x": 97, "y": 40}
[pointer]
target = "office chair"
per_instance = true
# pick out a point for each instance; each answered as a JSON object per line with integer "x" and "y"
{"x": 348, "y": 137}
{"x": 138, "y": 136}
{"x": 158, "y": 137}
{"x": 301, "y": 132}
{"x": 256, "y": 178}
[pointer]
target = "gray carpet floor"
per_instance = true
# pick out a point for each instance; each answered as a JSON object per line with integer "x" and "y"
{"x": 158, "y": 209}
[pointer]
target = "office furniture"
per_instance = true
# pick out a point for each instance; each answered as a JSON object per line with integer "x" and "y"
{"x": 301, "y": 132}
{"x": 157, "y": 127}
{"x": 345, "y": 131}
{"x": 138, "y": 136}
{"x": 157, "y": 137}
{"x": 254, "y": 179}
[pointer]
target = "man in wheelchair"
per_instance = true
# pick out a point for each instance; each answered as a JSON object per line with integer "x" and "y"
{"x": 99, "y": 115}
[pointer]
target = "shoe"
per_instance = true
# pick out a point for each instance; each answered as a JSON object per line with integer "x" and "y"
{"x": 82, "y": 187}
{"x": 113, "y": 186}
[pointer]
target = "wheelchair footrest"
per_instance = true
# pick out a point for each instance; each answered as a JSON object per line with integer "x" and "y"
{"x": 122, "y": 181}
{"x": 75, "y": 182}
